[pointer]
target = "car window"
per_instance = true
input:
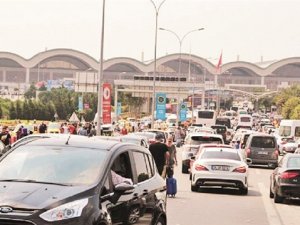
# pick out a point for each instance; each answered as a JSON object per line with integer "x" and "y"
{"x": 221, "y": 155}
{"x": 284, "y": 130}
{"x": 293, "y": 162}
{"x": 297, "y": 131}
{"x": 143, "y": 166}
{"x": 263, "y": 142}
{"x": 197, "y": 140}
{"x": 122, "y": 166}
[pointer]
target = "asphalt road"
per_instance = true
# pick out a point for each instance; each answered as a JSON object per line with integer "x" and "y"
{"x": 211, "y": 206}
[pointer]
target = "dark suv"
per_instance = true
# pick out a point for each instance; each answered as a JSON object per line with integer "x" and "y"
{"x": 262, "y": 149}
{"x": 80, "y": 181}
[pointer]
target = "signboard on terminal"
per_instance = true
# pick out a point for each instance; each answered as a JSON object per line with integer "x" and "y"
{"x": 106, "y": 106}
{"x": 183, "y": 111}
{"x": 161, "y": 100}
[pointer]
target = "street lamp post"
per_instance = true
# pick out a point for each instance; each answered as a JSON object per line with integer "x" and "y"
{"x": 155, "y": 49}
{"x": 180, "y": 40}
{"x": 100, "y": 72}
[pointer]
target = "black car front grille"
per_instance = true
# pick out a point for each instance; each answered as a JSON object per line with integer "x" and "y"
{"x": 15, "y": 222}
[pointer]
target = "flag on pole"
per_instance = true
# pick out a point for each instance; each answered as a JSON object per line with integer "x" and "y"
{"x": 219, "y": 65}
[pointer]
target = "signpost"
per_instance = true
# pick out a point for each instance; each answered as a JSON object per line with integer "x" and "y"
{"x": 161, "y": 99}
{"x": 106, "y": 103}
{"x": 80, "y": 103}
{"x": 183, "y": 111}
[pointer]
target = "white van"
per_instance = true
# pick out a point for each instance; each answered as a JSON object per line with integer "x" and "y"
{"x": 289, "y": 128}
{"x": 245, "y": 121}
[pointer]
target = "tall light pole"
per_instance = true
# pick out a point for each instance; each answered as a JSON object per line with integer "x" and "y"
{"x": 180, "y": 40}
{"x": 155, "y": 49}
{"x": 100, "y": 73}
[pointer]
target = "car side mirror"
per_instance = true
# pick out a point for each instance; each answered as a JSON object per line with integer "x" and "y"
{"x": 124, "y": 188}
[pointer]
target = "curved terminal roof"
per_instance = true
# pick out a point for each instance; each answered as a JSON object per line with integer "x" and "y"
{"x": 83, "y": 62}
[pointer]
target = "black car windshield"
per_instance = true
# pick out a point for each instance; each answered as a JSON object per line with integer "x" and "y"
{"x": 197, "y": 140}
{"x": 62, "y": 164}
{"x": 263, "y": 142}
{"x": 221, "y": 155}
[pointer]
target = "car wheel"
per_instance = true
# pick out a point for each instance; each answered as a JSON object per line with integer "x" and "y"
{"x": 271, "y": 195}
{"x": 194, "y": 188}
{"x": 244, "y": 190}
{"x": 278, "y": 198}
{"x": 161, "y": 221}
{"x": 184, "y": 169}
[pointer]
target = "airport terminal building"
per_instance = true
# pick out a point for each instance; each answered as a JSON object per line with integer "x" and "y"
{"x": 79, "y": 71}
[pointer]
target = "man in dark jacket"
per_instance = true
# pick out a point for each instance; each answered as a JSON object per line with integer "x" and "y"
{"x": 5, "y": 136}
{"x": 159, "y": 152}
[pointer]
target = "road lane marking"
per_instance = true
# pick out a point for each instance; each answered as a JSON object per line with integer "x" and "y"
{"x": 272, "y": 215}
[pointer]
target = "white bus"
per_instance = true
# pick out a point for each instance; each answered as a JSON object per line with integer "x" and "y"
{"x": 206, "y": 117}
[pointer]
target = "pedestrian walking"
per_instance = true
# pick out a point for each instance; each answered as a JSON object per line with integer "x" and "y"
{"x": 5, "y": 136}
{"x": 42, "y": 128}
{"x": 160, "y": 153}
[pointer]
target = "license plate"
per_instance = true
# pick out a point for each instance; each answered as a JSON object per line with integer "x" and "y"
{"x": 263, "y": 153}
{"x": 220, "y": 168}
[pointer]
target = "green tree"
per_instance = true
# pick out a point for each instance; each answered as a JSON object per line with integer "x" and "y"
{"x": 296, "y": 113}
{"x": 19, "y": 109}
{"x": 31, "y": 92}
{"x": 1, "y": 112}
{"x": 282, "y": 97}
{"x": 12, "y": 111}
{"x": 26, "y": 110}
{"x": 289, "y": 106}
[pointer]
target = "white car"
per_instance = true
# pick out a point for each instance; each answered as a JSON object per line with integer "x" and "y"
{"x": 220, "y": 167}
{"x": 191, "y": 145}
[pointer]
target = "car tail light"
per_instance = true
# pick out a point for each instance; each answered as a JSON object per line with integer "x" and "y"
{"x": 199, "y": 167}
{"x": 248, "y": 151}
{"x": 241, "y": 169}
{"x": 289, "y": 175}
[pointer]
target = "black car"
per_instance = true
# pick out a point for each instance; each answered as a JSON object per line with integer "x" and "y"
{"x": 285, "y": 180}
{"x": 80, "y": 181}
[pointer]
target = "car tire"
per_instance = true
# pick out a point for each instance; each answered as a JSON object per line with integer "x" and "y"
{"x": 194, "y": 188}
{"x": 184, "y": 169}
{"x": 244, "y": 190}
{"x": 271, "y": 195}
{"x": 278, "y": 198}
{"x": 160, "y": 221}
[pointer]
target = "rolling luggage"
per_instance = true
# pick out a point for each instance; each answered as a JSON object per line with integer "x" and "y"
{"x": 171, "y": 186}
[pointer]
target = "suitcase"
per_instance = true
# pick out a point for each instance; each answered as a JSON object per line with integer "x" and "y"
{"x": 171, "y": 186}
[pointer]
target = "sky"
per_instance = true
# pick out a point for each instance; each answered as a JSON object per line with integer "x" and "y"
{"x": 248, "y": 30}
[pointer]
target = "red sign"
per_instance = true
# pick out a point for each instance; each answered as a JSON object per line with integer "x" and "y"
{"x": 106, "y": 106}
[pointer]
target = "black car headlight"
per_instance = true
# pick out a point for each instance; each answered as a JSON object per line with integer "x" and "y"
{"x": 65, "y": 211}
